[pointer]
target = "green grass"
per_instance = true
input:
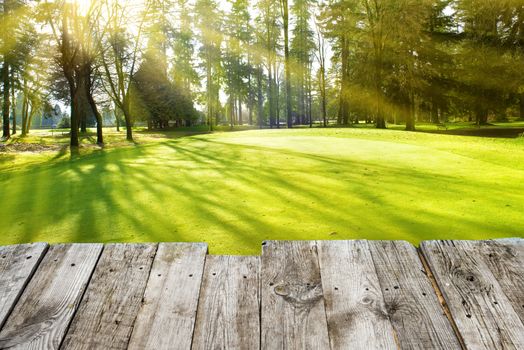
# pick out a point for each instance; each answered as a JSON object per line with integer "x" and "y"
{"x": 234, "y": 190}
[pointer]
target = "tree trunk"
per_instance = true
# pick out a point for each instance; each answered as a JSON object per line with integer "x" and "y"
{"x": 117, "y": 119}
{"x": 522, "y": 105}
{"x": 270, "y": 96}
{"x": 240, "y": 121}
{"x": 481, "y": 116}
{"x": 24, "y": 115}
{"x": 6, "y": 105}
{"x": 276, "y": 89}
{"x": 231, "y": 112}
{"x": 13, "y": 106}
{"x": 410, "y": 120}
{"x": 99, "y": 119}
{"x": 260, "y": 111}
{"x": 285, "y": 15}
{"x": 128, "y": 120}
{"x": 30, "y": 119}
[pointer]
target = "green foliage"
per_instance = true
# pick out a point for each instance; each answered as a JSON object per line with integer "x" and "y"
{"x": 159, "y": 99}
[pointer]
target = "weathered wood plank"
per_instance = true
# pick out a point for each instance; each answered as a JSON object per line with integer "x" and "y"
{"x": 356, "y": 314}
{"x": 167, "y": 316}
{"x": 505, "y": 258}
{"x": 17, "y": 265}
{"x": 228, "y": 309}
{"x": 44, "y": 311}
{"x": 111, "y": 302}
{"x": 482, "y": 312}
{"x": 411, "y": 302}
{"x": 292, "y": 310}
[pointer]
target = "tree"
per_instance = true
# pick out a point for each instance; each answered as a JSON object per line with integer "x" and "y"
{"x": 162, "y": 100}
{"x": 183, "y": 72}
{"x": 284, "y": 10}
{"x": 269, "y": 36}
{"x": 210, "y": 26}
{"x": 301, "y": 52}
{"x": 120, "y": 53}
{"x": 321, "y": 60}
{"x": 8, "y": 51}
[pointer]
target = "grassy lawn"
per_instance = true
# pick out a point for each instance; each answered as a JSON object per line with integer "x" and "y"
{"x": 234, "y": 190}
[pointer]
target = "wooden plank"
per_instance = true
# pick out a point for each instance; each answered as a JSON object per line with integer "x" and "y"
{"x": 411, "y": 302}
{"x": 45, "y": 309}
{"x": 228, "y": 309}
{"x": 483, "y": 314}
{"x": 167, "y": 316}
{"x": 356, "y": 314}
{"x": 292, "y": 310}
{"x": 505, "y": 259}
{"x": 110, "y": 305}
{"x": 17, "y": 265}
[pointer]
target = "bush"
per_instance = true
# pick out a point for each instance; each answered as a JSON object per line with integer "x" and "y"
{"x": 64, "y": 123}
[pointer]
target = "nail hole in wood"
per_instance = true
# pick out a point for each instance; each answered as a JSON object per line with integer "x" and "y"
{"x": 396, "y": 287}
{"x": 424, "y": 294}
{"x": 73, "y": 264}
{"x": 29, "y": 257}
{"x": 214, "y": 274}
{"x": 387, "y": 289}
{"x": 336, "y": 288}
{"x": 245, "y": 276}
{"x": 271, "y": 284}
{"x": 141, "y": 268}
{"x": 191, "y": 275}
{"x": 470, "y": 278}
{"x": 3, "y": 257}
{"x": 468, "y": 316}
{"x": 495, "y": 302}
{"x": 367, "y": 288}
{"x": 159, "y": 275}
{"x": 264, "y": 243}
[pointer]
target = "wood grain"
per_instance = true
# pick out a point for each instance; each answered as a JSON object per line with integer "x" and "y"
{"x": 46, "y": 307}
{"x": 356, "y": 314}
{"x": 505, "y": 259}
{"x": 411, "y": 302}
{"x": 167, "y": 316}
{"x": 228, "y": 309}
{"x": 17, "y": 265}
{"x": 293, "y": 314}
{"x": 482, "y": 312}
{"x": 111, "y": 302}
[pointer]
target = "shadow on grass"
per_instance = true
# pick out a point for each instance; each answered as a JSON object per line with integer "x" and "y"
{"x": 234, "y": 196}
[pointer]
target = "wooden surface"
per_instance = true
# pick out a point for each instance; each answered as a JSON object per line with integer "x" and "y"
{"x": 43, "y": 313}
{"x": 355, "y": 309}
{"x": 17, "y": 265}
{"x": 293, "y": 312}
{"x": 481, "y": 310}
{"x": 228, "y": 309}
{"x": 167, "y": 317}
{"x": 411, "y": 302}
{"x": 110, "y": 305}
{"x": 297, "y": 295}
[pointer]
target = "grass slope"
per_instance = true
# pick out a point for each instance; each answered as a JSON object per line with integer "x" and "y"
{"x": 234, "y": 190}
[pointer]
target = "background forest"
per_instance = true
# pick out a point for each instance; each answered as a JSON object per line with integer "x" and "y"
{"x": 266, "y": 63}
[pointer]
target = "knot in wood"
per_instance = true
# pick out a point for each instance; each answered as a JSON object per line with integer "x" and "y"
{"x": 300, "y": 294}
